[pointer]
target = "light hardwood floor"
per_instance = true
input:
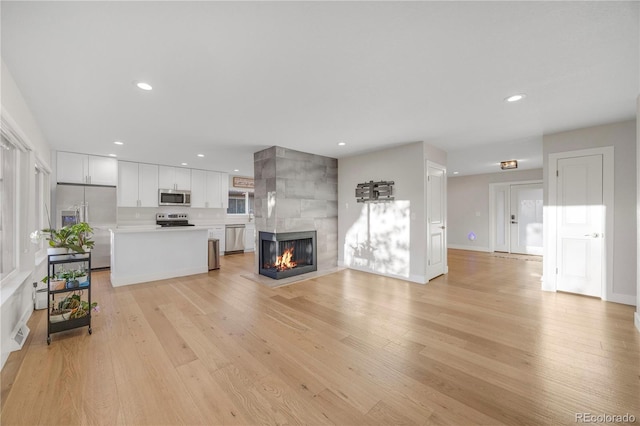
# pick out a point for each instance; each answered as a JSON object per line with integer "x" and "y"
{"x": 481, "y": 345}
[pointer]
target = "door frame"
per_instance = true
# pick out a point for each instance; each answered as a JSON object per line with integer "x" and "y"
{"x": 550, "y": 217}
{"x": 427, "y": 232}
{"x": 492, "y": 208}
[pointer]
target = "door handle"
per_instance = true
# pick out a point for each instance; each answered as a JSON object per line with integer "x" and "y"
{"x": 443, "y": 227}
{"x": 594, "y": 235}
{"x": 513, "y": 221}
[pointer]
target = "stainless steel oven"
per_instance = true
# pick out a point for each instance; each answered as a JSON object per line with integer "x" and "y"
{"x": 174, "y": 197}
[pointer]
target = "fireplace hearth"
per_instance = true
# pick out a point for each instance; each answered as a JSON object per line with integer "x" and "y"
{"x": 286, "y": 254}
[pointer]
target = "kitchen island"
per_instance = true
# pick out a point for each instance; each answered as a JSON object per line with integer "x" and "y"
{"x": 142, "y": 254}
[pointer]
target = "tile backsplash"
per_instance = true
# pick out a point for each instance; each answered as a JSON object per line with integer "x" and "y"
{"x": 142, "y": 216}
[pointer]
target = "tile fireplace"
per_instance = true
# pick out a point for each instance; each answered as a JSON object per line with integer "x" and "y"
{"x": 286, "y": 254}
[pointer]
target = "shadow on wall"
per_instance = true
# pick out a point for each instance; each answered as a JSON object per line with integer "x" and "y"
{"x": 379, "y": 240}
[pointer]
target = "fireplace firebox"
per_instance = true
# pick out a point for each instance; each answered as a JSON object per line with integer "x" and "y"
{"x": 286, "y": 254}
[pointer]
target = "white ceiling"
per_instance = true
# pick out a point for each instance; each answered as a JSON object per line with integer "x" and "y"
{"x": 232, "y": 78}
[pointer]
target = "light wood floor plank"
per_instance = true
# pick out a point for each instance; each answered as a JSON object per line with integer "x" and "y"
{"x": 480, "y": 345}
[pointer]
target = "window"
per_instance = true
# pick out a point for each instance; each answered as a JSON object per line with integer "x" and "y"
{"x": 8, "y": 201}
{"x": 240, "y": 202}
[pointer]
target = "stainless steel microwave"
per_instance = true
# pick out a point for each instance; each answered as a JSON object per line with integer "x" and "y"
{"x": 174, "y": 197}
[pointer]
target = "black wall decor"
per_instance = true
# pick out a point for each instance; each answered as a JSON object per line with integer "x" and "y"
{"x": 374, "y": 191}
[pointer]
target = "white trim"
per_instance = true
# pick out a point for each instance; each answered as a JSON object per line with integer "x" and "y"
{"x": 427, "y": 230}
{"x": 12, "y": 132}
{"x": 624, "y": 299}
{"x": 11, "y": 284}
{"x": 464, "y": 247}
{"x": 550, "y": 218}
{"x": 418, "y": 279}
{"x": 636, "y": 317}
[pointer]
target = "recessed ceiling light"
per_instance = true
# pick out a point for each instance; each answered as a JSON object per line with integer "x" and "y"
{"x": 515, "y": 98}
{"x": 342, "y": 143}
{"x": 201, "y": 155}
{"x": 112, "y": 155}
{"x": 142, "y": 85}
{"x": 119, "y": 143}
{"x": 236, "y": 170}
{"x": 183, "y": 164}
{"x": 455, "y": 173}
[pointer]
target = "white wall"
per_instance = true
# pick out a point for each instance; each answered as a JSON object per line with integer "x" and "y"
{"x": 386, "y": 238}
{"x": 17, "y": 296}
{"x": 622, "y": 136}
{"x": 637, "y": 315}
{"x": 468, "y": 206}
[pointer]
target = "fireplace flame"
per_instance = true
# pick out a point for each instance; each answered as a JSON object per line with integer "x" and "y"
{"x": 285, "y": 261}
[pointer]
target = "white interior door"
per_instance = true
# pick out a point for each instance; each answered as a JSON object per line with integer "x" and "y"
{"x": 526, "y": 219}
{"x": 436, "y": 220}
{"x": 580, "y": 225}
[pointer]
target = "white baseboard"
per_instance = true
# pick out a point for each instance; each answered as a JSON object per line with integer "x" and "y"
{"x": 625, "y": 299}
{"x": 636, "y": 315}
{"x": 464, "y": 247}
{"x": 418, "y": 279}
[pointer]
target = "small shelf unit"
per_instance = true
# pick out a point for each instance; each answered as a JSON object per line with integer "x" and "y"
{"x": 54, "y": 260}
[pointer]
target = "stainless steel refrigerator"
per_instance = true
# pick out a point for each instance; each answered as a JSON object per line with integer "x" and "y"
{"x": 95, "y": 205}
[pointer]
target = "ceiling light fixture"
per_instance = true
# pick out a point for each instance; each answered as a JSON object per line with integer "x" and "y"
{"x": 509, "y": 164}
{"x": 119, "y": 143}
{"x": 183, "y": 164}
{"x": 112, "y": 155}
{"x": 455, "y": 173}
{"x": 342, "y": 143}
{"x": 200, "y": 155}
{"x": 236, "y": 170}
{"x": 142, "y": 85}
{"x": 515, "y": 98}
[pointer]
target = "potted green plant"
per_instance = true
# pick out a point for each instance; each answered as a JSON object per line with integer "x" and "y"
{"x": 80, "y": 239}
{"x": 76, "y": 238}
{"x": 72, "y": 307}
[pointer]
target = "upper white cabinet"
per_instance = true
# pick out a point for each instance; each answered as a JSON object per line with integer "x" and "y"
{"x": 198, "y": 188}
{"x": 86, "y": 169}
{"x": 174, "y": 178}
{"x": 224, "y": 190}
{"x": 137, "y": 184}
{"x": 206, "y": 189}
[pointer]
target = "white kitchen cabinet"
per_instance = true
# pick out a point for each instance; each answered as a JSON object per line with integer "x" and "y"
{"x": 137, "y": 184}
{"x": 218, "y": 232}
{"x": 127, "y": 184}
{"x": 206, "y": 189}
{"x": 224, "y": 190}
{"x": 148, "y": 185}
{"x": 198, "y": 188}
{"x": 250, "y": 237}
{"x": 102, "y": 170}
{"x": 86, "y": 169}
{"x": 174, "y": 178}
